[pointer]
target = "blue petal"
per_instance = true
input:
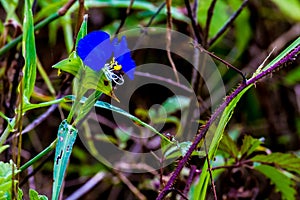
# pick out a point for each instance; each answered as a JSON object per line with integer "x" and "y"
{"x": 122, "y": 55}
{"x": 95, "y": 49}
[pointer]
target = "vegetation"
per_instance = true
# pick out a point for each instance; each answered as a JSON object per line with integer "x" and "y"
{"x": 150, "y": 99}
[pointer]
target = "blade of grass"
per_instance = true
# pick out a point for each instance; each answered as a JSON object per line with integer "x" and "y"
{"x": 29, "y": 52}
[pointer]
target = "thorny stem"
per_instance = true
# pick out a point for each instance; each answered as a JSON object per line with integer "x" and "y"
{"x": 201, "y": 133}
{"x": 189, "y": 180}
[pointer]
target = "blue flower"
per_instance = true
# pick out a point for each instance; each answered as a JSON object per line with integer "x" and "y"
{"x": 97, "y": 51}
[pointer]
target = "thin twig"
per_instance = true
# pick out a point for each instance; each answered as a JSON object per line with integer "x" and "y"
{"x": 36, "y": 169}
{"x": 160, "y": 78}
{"x": 189, "y": 181}
{"x": 223, "y": 61}
{"x": 125, "y": 17}
{"x": 36, "y": 122}
{"x": 202, "y": 132}
{"x": 228, "y": 23}
{"x": 196, "y": 29}
{"x": 210, "y": 171}
{"x": 144, "y": 29}
{"x": 132, "y": 188}
{"x": 169, "y": 38}
{"x": 210, "y": 13}
{"x": 156, "y": 13}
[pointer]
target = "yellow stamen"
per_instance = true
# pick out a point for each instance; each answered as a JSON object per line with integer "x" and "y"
{"x": 117, "y": 67}
{"x": 114, "y": 65}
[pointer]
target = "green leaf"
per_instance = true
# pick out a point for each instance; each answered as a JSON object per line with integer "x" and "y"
{"x": 83, "y": 29}
{"x": 66, "y": 137}
{"x": 249, "y": 145}
{"x": 29, "y": 52}
{"x": 87, "y": 78}
{"x": 34, "y": 195}
{"x": 283, "y": 184}
{"x": 291, "y": 8}
{"x": 228, "y": 145}
{"x": 70, "y": 65}
{"x": 287, "y": 161}
{"x": 6, "y": 180}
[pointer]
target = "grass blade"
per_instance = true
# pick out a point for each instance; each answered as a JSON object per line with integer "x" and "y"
{"x": 29, "y": 52}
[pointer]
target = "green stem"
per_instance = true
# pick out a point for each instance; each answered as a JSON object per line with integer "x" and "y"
{"x": 79, "y": 95}
{"x": 40, "y": 155}
{"x": 18, "y": 39}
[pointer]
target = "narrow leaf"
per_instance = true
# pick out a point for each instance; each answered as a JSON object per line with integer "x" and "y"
{"x": 29, "y": 51}
{"x": 83, "y": 29}
{"x": 108, "y": 106}
{"x": 66, "y": 137}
